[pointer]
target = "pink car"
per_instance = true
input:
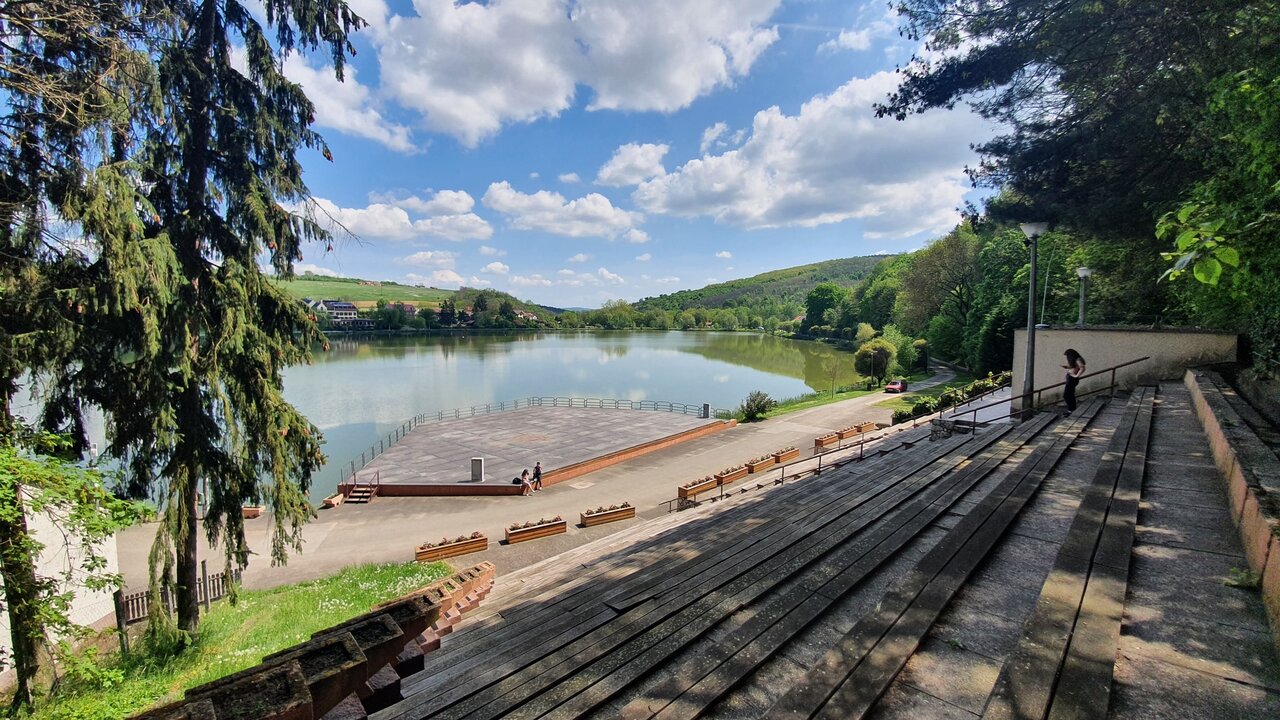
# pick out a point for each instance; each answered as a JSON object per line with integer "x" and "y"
{"x": 896, "y": 386}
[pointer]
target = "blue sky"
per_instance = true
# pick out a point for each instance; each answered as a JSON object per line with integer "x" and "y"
{"x": 576, "y": 151}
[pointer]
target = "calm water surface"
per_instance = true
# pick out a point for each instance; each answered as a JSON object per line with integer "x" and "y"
{"x": 362, "y": 389}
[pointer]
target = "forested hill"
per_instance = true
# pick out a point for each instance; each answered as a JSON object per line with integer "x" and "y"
{"x": 775, "y": 288}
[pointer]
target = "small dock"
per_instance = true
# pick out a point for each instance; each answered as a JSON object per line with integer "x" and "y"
{"x": 435, "y": 459}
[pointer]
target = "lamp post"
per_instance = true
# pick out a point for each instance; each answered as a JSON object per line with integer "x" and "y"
{"x": 1083, "y": 273}
{"x": 1033, "y": 231}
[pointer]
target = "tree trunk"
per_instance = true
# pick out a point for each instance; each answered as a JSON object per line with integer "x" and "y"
{"x": 188, "y": 563}
{"x": 19, "y": 576}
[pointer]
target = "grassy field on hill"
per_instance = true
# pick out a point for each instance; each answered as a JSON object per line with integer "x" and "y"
{"x": 232, "y": 637}
{"x": 328, "y": 288}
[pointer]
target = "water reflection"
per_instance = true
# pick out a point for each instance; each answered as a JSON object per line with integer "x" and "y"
{"x": 363, "y": 388}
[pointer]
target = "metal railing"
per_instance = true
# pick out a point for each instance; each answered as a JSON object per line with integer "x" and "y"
{"x": 1039, "y": 392}
{"x": 385, "y": 443}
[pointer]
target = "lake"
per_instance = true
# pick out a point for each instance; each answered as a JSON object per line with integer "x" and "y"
{"x": 364, "y": 388}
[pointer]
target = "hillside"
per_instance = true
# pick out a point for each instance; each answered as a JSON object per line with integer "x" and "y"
{"x": 362, "y": 292}
{"x": 778, "y": 287}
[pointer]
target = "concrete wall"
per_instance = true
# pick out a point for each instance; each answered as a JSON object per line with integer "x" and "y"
{"x": 92, "y": 608}
{"x": 1172, "y": 351}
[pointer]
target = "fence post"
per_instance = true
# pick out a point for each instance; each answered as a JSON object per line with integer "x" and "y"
{"x": 204, "y": 582}
{"x": 118, "y": 598}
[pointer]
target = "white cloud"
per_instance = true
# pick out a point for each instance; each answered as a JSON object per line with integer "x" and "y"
{"x": 570, "y": 178}
{"x": 632, "y": 164}
{"x": 580, "y": 257}
{"x": 496, "y": 268}
{"x": 589, "y": 216}
{"x": 469, "y": 68}
{"x": 346, "y": 105}
{"x": 304, "y": 268}
{"x": 725, "y": 254}
{"x": 566, "y": 272}
{"x": 859, "y": 39}
{"x": 609, "y": 277}
{"x": 431, "y": 258}
{"x": 391, "y": 221}
{"x": 447, "y": 279}
{"x": 710, "y": 135}
{"x": 644, "y": 257}
{"x": 534, "y": 280}
{"x": 833, "y": 161}
{"x": 636, "y": 236}
{"x": 668, "y": 280}
{"x": 444, "y": 202}
{"x": 478, "y": 282}
{"x": 491, "y": 252}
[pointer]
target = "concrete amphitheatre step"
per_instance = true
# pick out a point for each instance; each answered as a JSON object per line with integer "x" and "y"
{"x": 1059, "y": 568}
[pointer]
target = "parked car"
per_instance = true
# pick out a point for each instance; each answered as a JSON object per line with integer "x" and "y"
{"x": 896, "y": 386}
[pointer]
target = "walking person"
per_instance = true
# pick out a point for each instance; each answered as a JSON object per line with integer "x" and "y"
{"x": 1075, "y": 369}
{"x": 537, "y": 476}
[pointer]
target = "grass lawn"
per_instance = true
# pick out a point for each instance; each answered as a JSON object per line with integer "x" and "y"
{"x": 232, "y": 637}
{"x": 904, "y": 401}
{"x": 804, "y": 402}
{"x": 323, "y": 288}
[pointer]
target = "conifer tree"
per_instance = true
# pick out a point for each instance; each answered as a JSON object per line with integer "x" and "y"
{"x": 221, "y": 164}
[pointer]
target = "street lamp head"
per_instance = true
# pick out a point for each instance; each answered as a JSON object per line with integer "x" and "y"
{"x": 1034, "y": 230}
{"x": 1083, "y": 273}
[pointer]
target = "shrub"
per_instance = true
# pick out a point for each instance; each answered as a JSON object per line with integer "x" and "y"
{"x": 756, "y": 405}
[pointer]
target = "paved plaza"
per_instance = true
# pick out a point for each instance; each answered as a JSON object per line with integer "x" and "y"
{"x": 511, "y": 441}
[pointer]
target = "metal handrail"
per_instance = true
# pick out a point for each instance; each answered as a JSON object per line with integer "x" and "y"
{"x": 1039, "y": 392}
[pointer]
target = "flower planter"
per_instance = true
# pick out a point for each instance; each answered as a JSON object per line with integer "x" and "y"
{"x": 761, "y": 465}
{"x": 592, "y": 518}
{"x": 451, "y": 549}
{"x": 826, "y": 440}
{"x": 333, "y": 500}
{"x": 728, "y": 477}
{"x": 555, "y": 527}
{"x": 692, "y": 491}
{"x": 251, "y": 511}
{"x": 848, "y": 432}
{"x": 787, "y": 455}
{"x": 865, "y": 427}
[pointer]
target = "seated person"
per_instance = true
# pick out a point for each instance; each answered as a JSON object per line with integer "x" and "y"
{"x": 526, "y": 488}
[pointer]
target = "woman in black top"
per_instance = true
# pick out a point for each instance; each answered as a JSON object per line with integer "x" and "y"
{"x": 1074, "y": 368}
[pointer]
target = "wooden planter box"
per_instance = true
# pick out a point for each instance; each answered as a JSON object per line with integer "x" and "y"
{"x": 452, "y": 549}
{"x": 762, "y": 465}
{"x": 847, "y": 433}
{"x": 334, "y": 500}
{"x": 826, "y": 440}
{"x": 866, "y": 427}
{"x": 608, "y": 516}
{"x": 537, "y": 531}
{"x": 251, "y": 511}
{"x": 787, "y": 455}
{"x": 692, "y": 491}
{"x": 726, "y": 478}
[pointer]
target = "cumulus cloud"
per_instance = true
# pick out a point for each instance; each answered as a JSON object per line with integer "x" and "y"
{"x": 431, "y": 258}
{"x": 346, "y": 105}
{"x": 389, "y": 218}
{"x": 469, "y": 68}
{"x": 725, "y": 254}
{"x": 609, "y": 277}
{"x": 710, "y": 135}
{"x": 632, "y": 164}
{"x": 491, "y": 252}
{"x": 637, "y": 236}
{"x": 580, "y": 257}
{"x": 496, "y": 268}
{"x": 308, "y": 268}
{"x": 833, "y": 161}
{"x": 644, "y": 257}
{"x": 570, "y": 178}
{"x": 440, "y": 278}
{"x": 860, "y": 38}
{"x": 534, "y": 280}
{"x": 589, "y": 216}
{"x": 668, "y": 280}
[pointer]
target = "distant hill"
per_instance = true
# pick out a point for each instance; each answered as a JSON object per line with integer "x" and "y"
{"x": 361, "y": 292}
{"x": 778, "y": 287}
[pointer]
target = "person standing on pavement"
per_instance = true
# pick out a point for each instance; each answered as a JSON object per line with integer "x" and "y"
{"x": 537, "y": 476}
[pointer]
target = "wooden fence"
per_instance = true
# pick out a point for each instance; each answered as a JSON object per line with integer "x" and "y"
{"x": 132, "y": 607}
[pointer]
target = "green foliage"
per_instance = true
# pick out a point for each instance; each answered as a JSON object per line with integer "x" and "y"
{"x": 755, "y": 406}
{"x": 356, "y": 290}
{"x": 1199, "y": 242}
{"x": 231, "y": 638}
{"x": 875, "y": 358}
{"x": 820, "y": 305}
{"x": 1243, "y": 578}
